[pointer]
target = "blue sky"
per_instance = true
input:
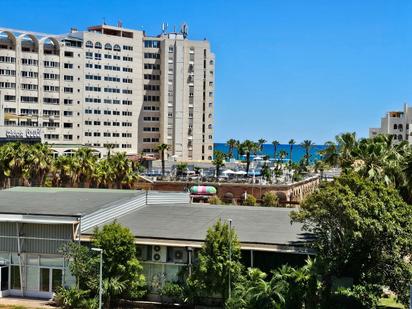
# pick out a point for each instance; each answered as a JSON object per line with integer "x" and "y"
{"x": 284, "y": 69}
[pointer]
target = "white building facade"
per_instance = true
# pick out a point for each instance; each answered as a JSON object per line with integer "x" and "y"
{"x": 396, "y": 123}
{"x": 109, "y": 87}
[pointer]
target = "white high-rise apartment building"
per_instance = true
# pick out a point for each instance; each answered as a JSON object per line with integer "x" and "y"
{"x": 397, "y": 123}
{"x": 108, "y": 87}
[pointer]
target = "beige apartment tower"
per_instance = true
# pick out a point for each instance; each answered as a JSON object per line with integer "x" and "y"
{"x": 108, "y": 87}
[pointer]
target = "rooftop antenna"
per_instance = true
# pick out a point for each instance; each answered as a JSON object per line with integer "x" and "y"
{"x": 119, "y": 24}
{"x": 164, "y": 28}
{"x": 184, "y": 29}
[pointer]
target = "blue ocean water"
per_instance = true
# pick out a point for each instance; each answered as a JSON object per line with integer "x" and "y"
{"x": 297, "y": 153}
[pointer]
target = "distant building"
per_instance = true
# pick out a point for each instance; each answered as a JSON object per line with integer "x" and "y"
{"x": 396, "y": 123}
{"x": 109, "y": 86}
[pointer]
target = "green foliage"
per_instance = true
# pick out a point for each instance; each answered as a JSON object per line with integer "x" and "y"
{"x": 254, "y": 292}
{"x": 270, "y": 199}
{"x": 211, "y": 274}
{"x": 363, "y": 231}
{"x": 232, "y": 144}
{"x": 174, "y": 291}
{"x": 181, "y": 168}
{"x": 121, "y": 269}
{"x": 215, "y": 200}
{"x": 122, "y": 272}
{"x": 218, "y": 161}
{"x": 72, "y": 298}
{"x": 250, "y": 200}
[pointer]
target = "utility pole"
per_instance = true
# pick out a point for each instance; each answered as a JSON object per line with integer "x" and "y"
{"x": 101, "y": 276}
{"x": 230, "y": 258}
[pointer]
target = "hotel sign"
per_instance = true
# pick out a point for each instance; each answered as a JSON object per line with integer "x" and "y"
{"x": 28, "y": 133}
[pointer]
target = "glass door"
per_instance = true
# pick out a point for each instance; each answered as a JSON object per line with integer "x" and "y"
{"x": 4, "y": 278}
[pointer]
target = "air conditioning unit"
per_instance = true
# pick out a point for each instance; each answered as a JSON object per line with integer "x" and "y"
{"x": 179, "y": 255}
{"x": 159, "y": 254}
{"x": 141, "y": 253}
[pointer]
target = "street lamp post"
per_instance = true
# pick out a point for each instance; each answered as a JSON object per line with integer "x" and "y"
{"x": 101, "y": 276}
{"x": 230, "y": 257}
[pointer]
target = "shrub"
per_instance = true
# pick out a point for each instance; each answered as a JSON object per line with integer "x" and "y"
{"x": 215, "y": 200}
{"x": 250, "y": 200}
{"x": 174, "y": 291}
{"x": 270, "y": 199}
{"x": 70, "y": 298}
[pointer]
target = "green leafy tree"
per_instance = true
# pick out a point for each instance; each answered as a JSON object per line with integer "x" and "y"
{"x": 363, "y": 232}
{"x": 307, "y": 145}
{"x": 232, "y": 144}
{"x": 261, "y": 142}
{"x": 122, "y": 272}
{"x": 248, "y": 147}
{"x": 291, "y": 143}
{"x": 275, "y": 144}
{"x": 181, "y": 168}
{"x": 218, "y": 161}
{"x": 211, "y": 274}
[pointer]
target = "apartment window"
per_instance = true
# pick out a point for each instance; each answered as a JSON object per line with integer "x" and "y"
{"x": 68, "y": 101}
{"x": 107, "y": 46}
{"x": 88, "y": 123}
{"x": 7, "y": 59}
{"x": 68, "y": 90}
{"x": 151, "y": 44}
{"x": 88, "y": 111}
{"x": 126, "y": 124}
{"x": 116, "y": 113}
{"x": 126, "y": 134}
{"x": 51, "y": 136}
{"x": 89, "y": 55}
{"x": 47, "y": 88}
{"x": 68, "y": 54}
{"x": 127, "y": 47}
{"x": 127, "y": 59}
{"x": 171, "y": 49}
{"x": 51, "y": 76}
{"x": 152, "y": 56}
{"x": 126, "y": 102}
{"x": 97, "y": 112}
{"x": 28, "y": 74}
{"x": 68, "y": 137}
{"x": 96, "y": 134}
{"x": 126, "y": 113}
{"x": 10, "y": 98}
{"x": 96, "y": 123}
{"x": 67, "y": 125}
{"x": 107, "y": 56}
{"x": 116, "y": 124}
{"x": 106, "y": 134}
{"x": 68, "y": 66}
{"x": 7, "y": 72}
{"x": 8, "y": 85}
{"x": 117, "y": 47}
{"x": 107, "y": 112}
{"x": 97, "y": 56}
{"x": 97, "y": 66}
{"x": 127, "y": 91}
{"x": 51, "y": 64}
{"x": 26, "y": 61}
{"x": 51, "y": 100}
{"x": 98, "y": 45}
{"x": 107, "y": 123}
{"x": 93, "y": 77}
{"x": 127, "y": 80}
{"x": 87, "y": 133}
{"x": 146, "y": 140}
{"x": 26, "y": 99}
{"x": 68, "y": 113}
{"x": 151, "y": 77}
{"x": 116, "y": 134}
{"x": 129, "y": 70}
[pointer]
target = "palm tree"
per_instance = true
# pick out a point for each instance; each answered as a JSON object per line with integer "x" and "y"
{"x": 84, "y": 160}
{"x": 291, "y": 143}
{"x": 261, "y": 142}
{"x": 275, "y": 144}
{"x": 161, "y": 148}
{"x": 346, "y": 144}
{"x": 307, "y": 145}
{"x": 249, "y": 147}
{"x": 218, "y": 161}
{"x": 122, "y": 167}
{"x": 232, "y": 145}
{"x": 330, "y": 155}
{"x": 239, "y": 149}
{"x": 39, "y": 162}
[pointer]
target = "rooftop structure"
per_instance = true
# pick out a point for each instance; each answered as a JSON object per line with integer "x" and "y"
{"x": 36, "y": 222}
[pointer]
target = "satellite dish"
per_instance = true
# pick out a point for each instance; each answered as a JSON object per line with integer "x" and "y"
{"x": 184, "y": 29}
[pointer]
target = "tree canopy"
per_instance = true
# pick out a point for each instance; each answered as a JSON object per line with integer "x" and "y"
{"x": 363, "y": 232}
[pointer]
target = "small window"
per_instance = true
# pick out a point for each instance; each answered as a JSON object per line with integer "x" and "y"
{"x": 108, "y": 47}
{"x": 89, "y": 44}
{"x": 98, "y": 45}
{"x": 116, "y": 48}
